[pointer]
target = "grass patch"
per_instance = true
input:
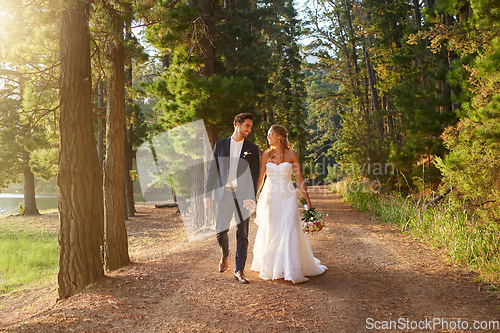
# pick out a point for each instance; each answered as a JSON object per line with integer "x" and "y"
{"x": 466, "y": 238}
{"x": 28, "y": 254}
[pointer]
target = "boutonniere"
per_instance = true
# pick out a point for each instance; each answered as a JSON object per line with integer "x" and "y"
{"x": 246, "y": 153}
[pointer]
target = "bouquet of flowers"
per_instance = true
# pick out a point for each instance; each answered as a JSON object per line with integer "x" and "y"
{"x": 312, "y": 220}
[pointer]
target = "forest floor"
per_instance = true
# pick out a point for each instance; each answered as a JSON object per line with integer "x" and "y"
{"x": 376, "y": 275}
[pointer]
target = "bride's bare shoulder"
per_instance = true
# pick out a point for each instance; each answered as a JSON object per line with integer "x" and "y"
{"x": 265, "y": 156}
{"x": 291, "y": 154}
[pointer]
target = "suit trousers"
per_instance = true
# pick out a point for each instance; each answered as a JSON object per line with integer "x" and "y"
{"x": 226, "y": 208}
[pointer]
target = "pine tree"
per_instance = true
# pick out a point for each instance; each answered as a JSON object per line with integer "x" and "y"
{"x": 29, "y": 57}
{"x": 10, "y": 158}
{"x": 115, "y": 233}
{"x": 81, "y": 210}
{"x": 471, "y": 167}
{"x": 188, "y": 88}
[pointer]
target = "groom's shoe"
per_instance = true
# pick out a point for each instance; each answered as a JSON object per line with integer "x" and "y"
{"x": 224, "y": 262}
{"x": 240, "y": 277}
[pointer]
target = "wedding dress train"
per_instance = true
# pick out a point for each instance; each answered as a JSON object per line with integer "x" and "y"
{"x": 281, "y": 249}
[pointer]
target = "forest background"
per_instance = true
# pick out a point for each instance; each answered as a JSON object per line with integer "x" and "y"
{"x": 400, "y": 112}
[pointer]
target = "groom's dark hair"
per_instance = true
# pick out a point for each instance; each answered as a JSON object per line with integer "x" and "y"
{"x": 240, "y": 118}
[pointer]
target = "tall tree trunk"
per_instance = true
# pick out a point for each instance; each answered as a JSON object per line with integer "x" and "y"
{"x": 352, "y": 70}
{"x": 115, "y": 233}
{"x": 29, "y": 188}
{"x": 128, "y": 166}
{"x": 352, "y": 38}
{"x": 79, "y": 179}
{"x": 208, "y": 55}
{"x": 197, "y": 180}
{"x": 447, "y": 91}
{"x": 229, "y": 48}
{"x": 207, "y": 40}
{"x": 371, "y": 79}
{"x": 129, "y": 110}
{"x": 136, "y": 185}
{"x": 212, "y": 134}
{"x": 429, "y": 3}
{"x": 101, "y": 126}
{"x": 228, "y": 5}
{"x": 379, "y": 124}
{"x": 417, "y": 16}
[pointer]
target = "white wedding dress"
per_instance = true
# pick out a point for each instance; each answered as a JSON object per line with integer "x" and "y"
{"x": 281, "y": 249}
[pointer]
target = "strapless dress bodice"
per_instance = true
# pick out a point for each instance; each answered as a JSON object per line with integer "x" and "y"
{"x": 279, "y": 172}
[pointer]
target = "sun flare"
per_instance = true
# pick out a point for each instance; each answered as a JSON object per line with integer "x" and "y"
{"x": 4, "y": 19}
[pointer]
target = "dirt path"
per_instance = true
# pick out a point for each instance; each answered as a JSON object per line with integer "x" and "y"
{"x": 174, "y": 286}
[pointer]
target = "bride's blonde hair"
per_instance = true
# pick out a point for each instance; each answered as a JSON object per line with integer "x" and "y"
{"x": 285, "y": 144}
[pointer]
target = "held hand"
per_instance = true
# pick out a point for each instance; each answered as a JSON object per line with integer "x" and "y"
{"x": 208, "y": 203}
{"x": 249, "y": 205}
{"x": 306, "y": 202}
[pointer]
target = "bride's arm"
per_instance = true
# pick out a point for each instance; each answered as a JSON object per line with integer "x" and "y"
{"x": 300, "y": 180}
{"x": 262, "y": 170}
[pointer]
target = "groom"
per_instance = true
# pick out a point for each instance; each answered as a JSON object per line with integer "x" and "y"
{"x": 232, "y": 183}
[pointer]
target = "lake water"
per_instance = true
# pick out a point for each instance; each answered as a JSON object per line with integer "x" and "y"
{"x": 9, "y": 202}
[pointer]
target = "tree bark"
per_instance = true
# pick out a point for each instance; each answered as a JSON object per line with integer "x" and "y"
{"x": 101, "y": 126}
{"x": 115, "y": 233}
{"x": 345, "y": 38}
{"x": 429, "y": 3}
{"x": 128, "y": 166}
{"x": 79, "y": 178}
{"x": 129, "y": 110}
{"x": 29, "y": 188}
{"x": 206, "y": 41}
{"x": 352, "y": 36}
{"x": 371, "y": 79}
{"x": 417, "y": 16}
{"x": 212, "y": 134}
{"x": 447, "y": 90}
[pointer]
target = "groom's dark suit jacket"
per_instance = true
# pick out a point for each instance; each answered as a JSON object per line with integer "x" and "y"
{"x": 219, "y": 169}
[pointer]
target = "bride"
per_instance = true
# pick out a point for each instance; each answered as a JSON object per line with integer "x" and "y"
{"x": 281, "y": 249}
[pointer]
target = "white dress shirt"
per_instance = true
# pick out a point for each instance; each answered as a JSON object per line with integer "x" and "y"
{"x": 235, "y": 152}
